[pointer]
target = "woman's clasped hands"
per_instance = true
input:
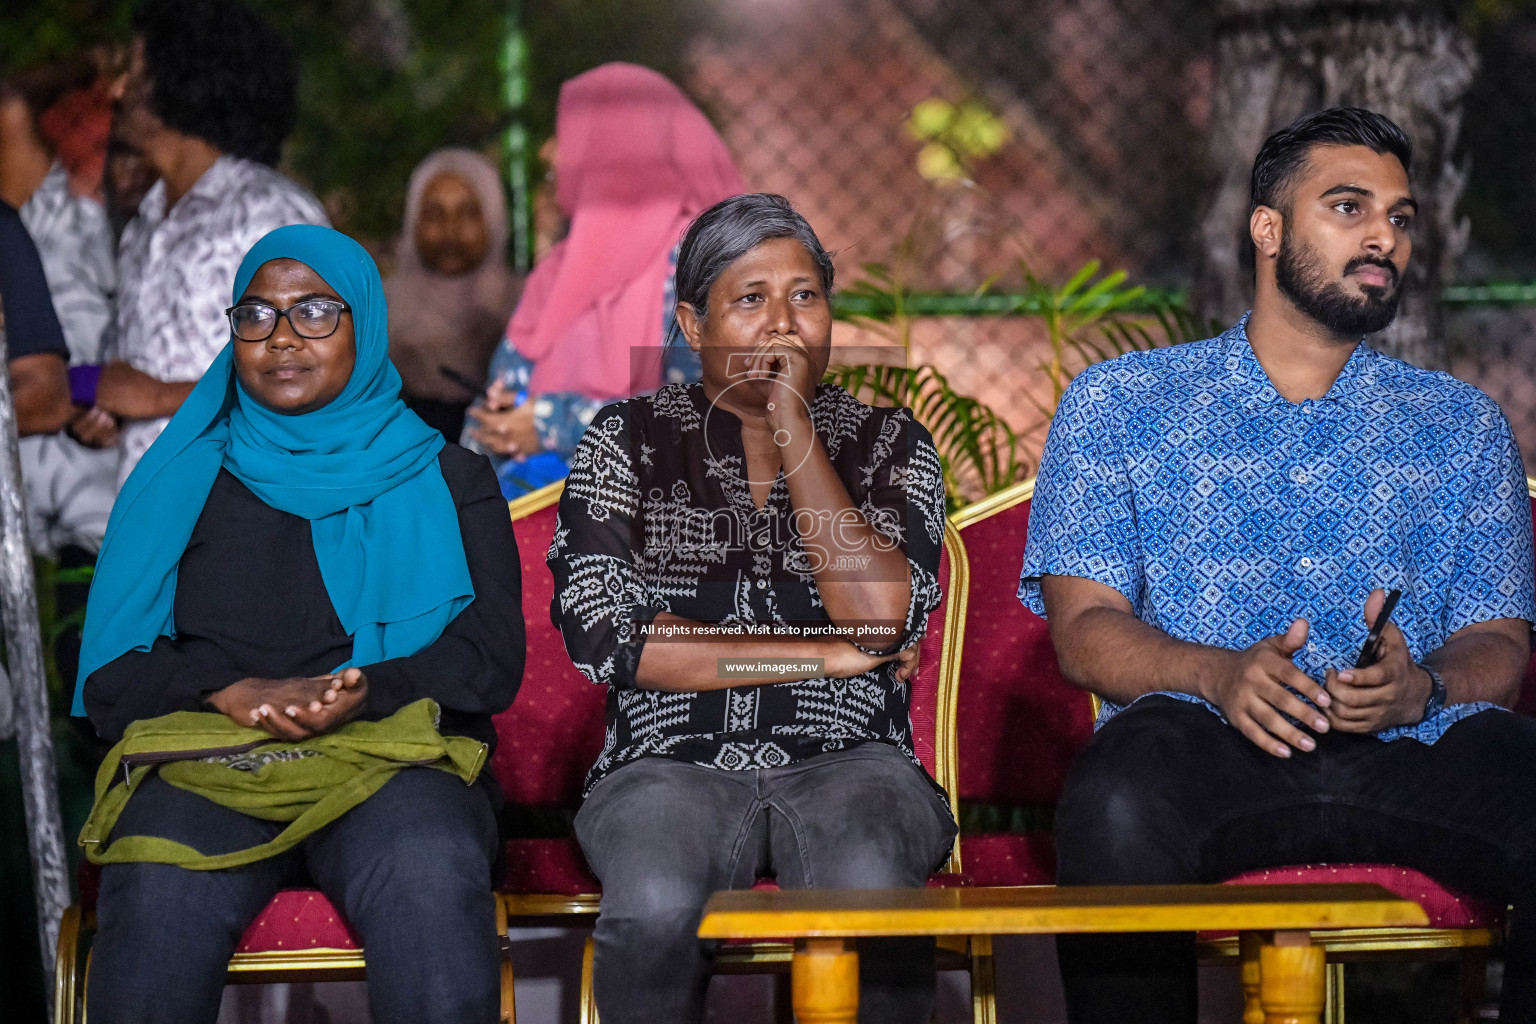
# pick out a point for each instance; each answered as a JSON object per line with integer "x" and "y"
{"x": 296, "y": 708}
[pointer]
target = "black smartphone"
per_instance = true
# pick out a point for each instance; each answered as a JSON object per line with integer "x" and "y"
{"x": 1370, "y": 652}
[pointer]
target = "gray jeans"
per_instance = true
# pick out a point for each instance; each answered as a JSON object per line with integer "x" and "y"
{"x": 664, "y": 835}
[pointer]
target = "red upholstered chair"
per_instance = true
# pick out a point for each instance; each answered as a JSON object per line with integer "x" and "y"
{"x": 552, "y": 734}
{"x": 1013, "y": 701}
{"x": 1018, "y": 723}
{"x": 549, "y": 737}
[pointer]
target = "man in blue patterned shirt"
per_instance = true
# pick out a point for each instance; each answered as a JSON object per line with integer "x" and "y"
{"x": 1215, "y": 525}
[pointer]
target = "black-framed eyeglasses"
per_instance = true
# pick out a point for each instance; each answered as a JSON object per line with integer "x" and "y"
{"x": 313, "y": 319}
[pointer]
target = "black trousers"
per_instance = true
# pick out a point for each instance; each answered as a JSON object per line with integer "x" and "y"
{"x": 410, "y": 868}
{"x": 1167, "y": 792}
{"x": 664, "y": 835}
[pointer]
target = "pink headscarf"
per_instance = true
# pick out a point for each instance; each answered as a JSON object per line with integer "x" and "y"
{"x": 437, "y": 320}
{"x": 635, "y": 162}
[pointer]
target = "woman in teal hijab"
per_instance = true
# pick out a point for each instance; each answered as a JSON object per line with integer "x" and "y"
{"x": 296, "y": 551}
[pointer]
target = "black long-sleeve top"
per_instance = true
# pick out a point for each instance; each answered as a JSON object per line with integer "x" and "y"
{"x": 31, "y": 325}
{"x": 250, "y": 602}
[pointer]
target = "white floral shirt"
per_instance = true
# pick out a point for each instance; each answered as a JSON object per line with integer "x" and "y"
{"x": 74, "y": 240}
{"x": 178, "y": 269}
{"x": 70, "y": 488}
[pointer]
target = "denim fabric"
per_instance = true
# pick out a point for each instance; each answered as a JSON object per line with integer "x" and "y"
{"x": 410, "y": 869}
{"x": 1168, "y": 793}
{"x": 663, "y": 835}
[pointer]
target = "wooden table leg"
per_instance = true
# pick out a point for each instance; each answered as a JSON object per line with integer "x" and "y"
{"x": 825, "y": 978}
{"x": 1293, "y": 979}
{"x": 1248, "y": 946}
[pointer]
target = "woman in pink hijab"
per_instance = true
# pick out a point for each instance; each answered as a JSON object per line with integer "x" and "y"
{"x": 634, "y": 162}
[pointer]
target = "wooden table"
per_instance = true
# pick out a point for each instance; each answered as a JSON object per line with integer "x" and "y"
{"x": 1283, "y": 973}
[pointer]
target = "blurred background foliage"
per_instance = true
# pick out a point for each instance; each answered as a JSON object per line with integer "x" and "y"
{"x": 385, "y": 82}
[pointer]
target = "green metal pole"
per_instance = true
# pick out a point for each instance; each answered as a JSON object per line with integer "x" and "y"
{"x": 514, "y": 92}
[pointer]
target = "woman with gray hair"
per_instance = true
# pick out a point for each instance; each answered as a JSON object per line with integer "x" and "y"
{"x": 748, "y": 563}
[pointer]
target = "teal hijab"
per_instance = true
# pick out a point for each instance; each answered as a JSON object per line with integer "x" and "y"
{"x": 363, "y": 470}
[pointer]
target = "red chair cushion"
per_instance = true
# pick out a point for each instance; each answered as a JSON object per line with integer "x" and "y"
{"x": 552, "y": 866}
{"x": 1020, "y": 723}
{"x": 1009, "y": 859}
{"x": 298, "y": 919}
{"x": 554, "y": 730}
{"x": 1445, "y": 907}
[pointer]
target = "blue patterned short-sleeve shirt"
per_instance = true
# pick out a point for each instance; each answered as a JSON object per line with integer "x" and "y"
{"x": 1222, "y": 511}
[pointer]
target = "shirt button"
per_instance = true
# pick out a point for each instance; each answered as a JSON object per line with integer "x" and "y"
{"x": 1306, "y": 563}
{"x": 762, "y": 584}
{"x": 1299, "y": 475}
{"x": 1311, "y": 646}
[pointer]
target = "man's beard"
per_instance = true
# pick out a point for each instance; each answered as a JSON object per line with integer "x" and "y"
{"x": 1302, "y": 274}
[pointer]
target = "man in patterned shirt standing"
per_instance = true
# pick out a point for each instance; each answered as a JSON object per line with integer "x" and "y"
{"x": 1215, "y": 525}
{"x": 210, "y": 95}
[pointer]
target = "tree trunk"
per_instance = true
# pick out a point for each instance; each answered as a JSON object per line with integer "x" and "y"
{"x": 29, "y": 691}
{"x": 1279, "y": 59}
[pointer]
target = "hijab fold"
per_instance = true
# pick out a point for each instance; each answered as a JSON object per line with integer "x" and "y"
{"x": 635, "y": 162}
{"x": 362, "y": 469}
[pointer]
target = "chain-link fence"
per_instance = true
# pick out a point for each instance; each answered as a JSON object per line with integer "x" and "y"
{"x": 958, "y": 144}
{"x": 867, "y": 112}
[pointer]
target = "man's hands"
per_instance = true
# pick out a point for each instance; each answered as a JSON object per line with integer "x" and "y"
{"x": 1252, "y": 694}
{"x": 297, "y": 708}
{"x": 1390, "y": 693}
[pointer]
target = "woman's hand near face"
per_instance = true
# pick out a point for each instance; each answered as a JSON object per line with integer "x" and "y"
{"x": 785, "y": 361}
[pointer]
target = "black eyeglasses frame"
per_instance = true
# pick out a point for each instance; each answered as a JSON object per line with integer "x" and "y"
{"x": 282, "y": 314}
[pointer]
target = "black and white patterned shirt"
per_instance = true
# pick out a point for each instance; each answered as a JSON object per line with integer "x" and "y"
{"x": 657, "y": 516}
